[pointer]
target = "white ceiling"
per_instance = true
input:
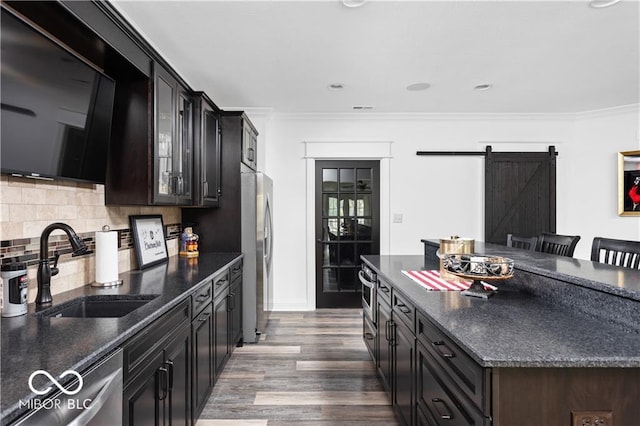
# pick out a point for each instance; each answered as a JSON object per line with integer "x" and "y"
{"x": 539, "y": 56}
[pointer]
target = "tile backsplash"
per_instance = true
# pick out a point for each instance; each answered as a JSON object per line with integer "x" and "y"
{"x": 28, "y": 206}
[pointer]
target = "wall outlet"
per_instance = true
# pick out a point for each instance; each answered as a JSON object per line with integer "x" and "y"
{"x": 592, "y": 418}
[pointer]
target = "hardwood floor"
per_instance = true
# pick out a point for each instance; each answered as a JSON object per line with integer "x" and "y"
{"x": 310, "y": 368}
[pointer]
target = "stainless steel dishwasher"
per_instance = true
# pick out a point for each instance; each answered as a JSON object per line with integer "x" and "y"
{"x": 97, "y": 403}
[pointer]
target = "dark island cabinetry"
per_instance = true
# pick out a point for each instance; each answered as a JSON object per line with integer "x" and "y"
{"x": 515, "y": 359}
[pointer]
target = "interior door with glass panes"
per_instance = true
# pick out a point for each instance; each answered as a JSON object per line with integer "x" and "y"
{"x": 347, "y": 226}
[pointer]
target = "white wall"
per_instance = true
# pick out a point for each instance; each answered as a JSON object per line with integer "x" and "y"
{"x": 443, "y": 196}
{"x": 588, "y": 185}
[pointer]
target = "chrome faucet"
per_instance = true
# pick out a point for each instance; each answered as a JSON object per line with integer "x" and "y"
{"x": 45, "y": 271}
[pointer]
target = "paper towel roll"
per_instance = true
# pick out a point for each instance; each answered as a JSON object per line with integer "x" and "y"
{"x": 106, "y": 256}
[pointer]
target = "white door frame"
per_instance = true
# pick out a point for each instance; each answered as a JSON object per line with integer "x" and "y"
{"x": 363, "y": 150}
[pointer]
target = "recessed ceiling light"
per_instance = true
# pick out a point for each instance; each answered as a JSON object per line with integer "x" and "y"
{"x": 482, "y": 87}
{"x": 418, "y": 86}
{"x": 599, "y": 4}
{"x": 353, "y": 3}
{"x": 362, "y": 107}
{"x": 335, "y": 86}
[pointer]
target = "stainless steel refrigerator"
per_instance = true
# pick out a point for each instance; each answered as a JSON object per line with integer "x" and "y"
{"x": 257, "y": 245}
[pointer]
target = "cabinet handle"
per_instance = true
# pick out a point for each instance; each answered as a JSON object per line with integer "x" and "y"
{"x": 386, "y": 330}
{"x": 221, "y": 282}
{"x": 180, "y": 184}
{"x": 403, "y": 308}
{"x": 161, "y": 383}
{"x": 169, "y": 364}
{"x": 204, "y": 317}
{"x": 250, "y": 155}
{"x": 445, "y": 414}
{"x": 447, "y": 353}
{"x": 368, "y": 336}
{"x": 202, "y": 297}
{"x": 389, "y": 332}
{"x": 384, "y": 289}
{"x": 205, "y": 188}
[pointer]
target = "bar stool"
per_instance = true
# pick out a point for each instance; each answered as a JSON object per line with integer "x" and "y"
{"x": 524, "y": 243}
{"x": 623, "y": 253}
{"x": 561, "y": 245}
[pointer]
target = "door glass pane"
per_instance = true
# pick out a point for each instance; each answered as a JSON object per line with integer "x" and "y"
{"x": 347, "y": 229}
{"x": 363, "y": 229}
{"x": 330, "y": 204}
{"x": 165, "y": 136}
{"x": 347, "y": 254}
{"x": 364, "y": 179}
{"x": 182, "y": 151}
{"x": 364, "y": 248}
{"x": 347, "y": 179}
{"x": 348, "y": 279}
{"x": 363, "y": 205}
{"x": 330, "y": 254}
{"x": 330, "y": 277}
{"x": 347, "y": 206}
{"x": 330, "y": 229}
{"x": 329, "y": 180}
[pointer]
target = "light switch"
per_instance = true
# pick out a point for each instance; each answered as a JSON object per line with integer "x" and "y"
{"x": 397, "y": 218}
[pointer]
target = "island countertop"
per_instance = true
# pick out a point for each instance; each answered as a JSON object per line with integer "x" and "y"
{"x": 31, "y": 343}
{"x": 534, "y": 319}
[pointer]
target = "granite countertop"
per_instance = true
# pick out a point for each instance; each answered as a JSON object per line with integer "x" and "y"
{"x": 516, "y": 328}
{"x": 32, "y": 343}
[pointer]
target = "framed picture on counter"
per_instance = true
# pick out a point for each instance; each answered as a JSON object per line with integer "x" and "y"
{"x": 629, "y": 183}
{"x": 149, "y": 240}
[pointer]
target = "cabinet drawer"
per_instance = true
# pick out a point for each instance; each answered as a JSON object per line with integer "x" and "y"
{"x": 146, "y": 343}
{"x": 235, "y": 270}
{"x": 403, "y": 311}
{"x": 437, "y": 398}
{"x": 383, "y": 291}
{"x": 202, "y": 298}
{"x": 220, "y": 283}
{"x": 465, "y": 372}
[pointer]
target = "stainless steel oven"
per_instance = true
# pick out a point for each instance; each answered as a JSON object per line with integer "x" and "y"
{"x": 369, "y": 279}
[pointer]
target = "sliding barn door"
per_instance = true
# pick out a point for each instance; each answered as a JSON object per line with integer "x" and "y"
{"x": 520, "y": 194}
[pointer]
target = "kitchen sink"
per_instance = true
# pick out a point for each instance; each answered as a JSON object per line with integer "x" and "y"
{"x": 99, "y": 306}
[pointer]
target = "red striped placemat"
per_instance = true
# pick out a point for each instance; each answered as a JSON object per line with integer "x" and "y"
{"x": 432, "y": 281}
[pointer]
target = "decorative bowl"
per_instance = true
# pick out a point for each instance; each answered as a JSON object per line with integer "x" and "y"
{"x": 475, "y": 266}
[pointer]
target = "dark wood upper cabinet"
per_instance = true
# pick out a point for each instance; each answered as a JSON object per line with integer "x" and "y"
{"x": 207, "y": 152}
{"x": 173, "y": 141}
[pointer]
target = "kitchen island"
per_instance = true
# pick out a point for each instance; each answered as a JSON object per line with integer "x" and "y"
{"x": 32, "y": 342}
{"x": 559, "y": 340}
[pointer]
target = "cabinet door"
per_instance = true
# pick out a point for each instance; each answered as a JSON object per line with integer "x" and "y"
{"x": 202, "y": 341}
{"x": 249, "y": 145}
{"x": 183, "y": 150}
{"x": 235, "y": 313}
{"x": 177, "y": 362}
{"x": 173, "y": 147}
{"x": 403, "y": 377}
{"x": 384, "y": 339}
{"x": 221, "y": 327}
{"x": 165, "y": 134}
{"x": 210, "y": 157}
{"x": 142, "y": 405}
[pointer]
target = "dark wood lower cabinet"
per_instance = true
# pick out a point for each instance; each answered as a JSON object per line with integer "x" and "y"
{"x": 160, "y": 393}
{"x": 221, "y": 330}
{"x": 437, "y": 397}
{"x": 403, "y": 377}
{"x": 235, "y": 313}
{"x": 203, "y": 375}
{"x": 383, "y": 337}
